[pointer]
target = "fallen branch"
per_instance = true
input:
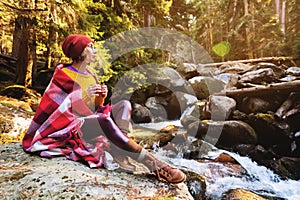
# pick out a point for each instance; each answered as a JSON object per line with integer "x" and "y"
{"x": 256, "y": 60}
{"x": 286, "y": 87}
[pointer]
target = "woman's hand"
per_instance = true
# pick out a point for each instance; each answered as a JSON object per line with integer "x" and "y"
{"x": 97, "y": 90}
{"x": 104, "y": 90}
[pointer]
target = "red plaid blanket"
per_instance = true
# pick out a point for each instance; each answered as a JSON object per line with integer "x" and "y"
{"x": 55, "y": 128}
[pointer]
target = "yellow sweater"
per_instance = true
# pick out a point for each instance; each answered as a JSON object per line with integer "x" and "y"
{"x": 85, "y": 80}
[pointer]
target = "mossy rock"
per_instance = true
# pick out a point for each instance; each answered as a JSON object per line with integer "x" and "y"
{"x": 22, "y": 93}
{"x": 196, "y": 184}
{"x": 11, "y": 104}
{"x": 240, "y": 194}
{"x": 223, "y": 133}
{"x": 15, "y": 91}
{"x": 148, "y": 138}
{"x": 269, "y": 129}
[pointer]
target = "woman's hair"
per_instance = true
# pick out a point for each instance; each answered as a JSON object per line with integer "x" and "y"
{"x": 79, "y": 58}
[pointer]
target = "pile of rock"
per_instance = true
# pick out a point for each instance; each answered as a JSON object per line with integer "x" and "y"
{"x": 250, "y": 107}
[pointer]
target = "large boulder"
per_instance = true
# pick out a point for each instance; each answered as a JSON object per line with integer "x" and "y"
{"x": 225, "y": 134}
{"x": 141, "y": 114}
{"x": 205, "y": 86}
{"x": 218, "y": 108}
{"x": 221, "y": 107}
{"x": 270, "y": 131}
{"x": 30, "y": 177}
{"x": 157, "y": 106}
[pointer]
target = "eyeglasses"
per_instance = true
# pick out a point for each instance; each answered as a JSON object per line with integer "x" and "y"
{"x": 91, "y": 45}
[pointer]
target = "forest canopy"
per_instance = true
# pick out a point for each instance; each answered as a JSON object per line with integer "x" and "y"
{"x": 32, "y": 31}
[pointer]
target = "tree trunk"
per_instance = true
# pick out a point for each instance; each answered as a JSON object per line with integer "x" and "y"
{"x": 17, "y": 36}
{"x": 108, "y": 3}
{"x": 277, "y": 7}
{"x": 147, "y": 17}
{"x": 118, "y": 7}
{"x": 52, "y": 36}
{"x": 30, "y": 69}
{"x": 247, "y": 30}
{"x": 25, "y": 59}
{"x": 210, "y": 29}
{"x": 283, "y": 17}
{"x": 32, "y": 61}
{"x": 252, "y": 29}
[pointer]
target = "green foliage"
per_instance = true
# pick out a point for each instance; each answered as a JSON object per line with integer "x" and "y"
{"x": 254, "y": 31}
{"x": 181, "y": 16}
{"x": 102, "y": 67}
{"x": 127, "y": 67}
{"x": 160, "y": 7}
{"x": 111, "y": 23}
{"x": 253, "y": 34}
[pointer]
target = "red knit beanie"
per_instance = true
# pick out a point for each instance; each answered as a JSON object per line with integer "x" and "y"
{"x": 74, "y": 45}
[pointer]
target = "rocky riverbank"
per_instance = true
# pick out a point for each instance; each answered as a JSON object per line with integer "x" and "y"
{"x": 25, "y": 176}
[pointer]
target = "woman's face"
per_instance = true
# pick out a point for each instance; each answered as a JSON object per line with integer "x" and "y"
{"x": 90, "y": 53}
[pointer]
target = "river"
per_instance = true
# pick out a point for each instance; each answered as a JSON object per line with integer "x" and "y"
{"x": 259, "y": 179}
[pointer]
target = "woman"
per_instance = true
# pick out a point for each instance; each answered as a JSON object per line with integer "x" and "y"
{"x": 71, "y": 119}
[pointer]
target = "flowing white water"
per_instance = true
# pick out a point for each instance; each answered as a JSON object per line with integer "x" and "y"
{"x": 263, "y": 180}
{"x": 260, "y": 180}
{"x": 266, "y": 180}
